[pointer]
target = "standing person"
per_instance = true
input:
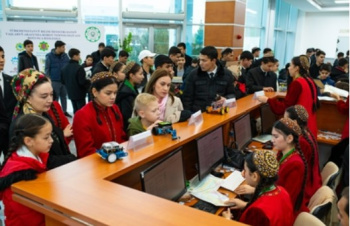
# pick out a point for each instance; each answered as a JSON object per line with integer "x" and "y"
{"x": 128, "y": 91}
{"x": 164, "y": 62}
{"x": 7, "y": 103}
{"x": 87, "y": 65}
{"x": 270, "y": 204}
{"x": 188, "y": 59}
{"x": 97, "y": 54}
{"x": 146, "y": 58}
{"x": 117, "y": 70}
{"x": 308, "y": 145}
{"x": 174, "y": 54}
{"x": 34, "y": 93}
{"x": 27, "y": 59}
{"x": 55, "y": 61}
{"x": 107, "y": 59}
{"x": 206, "y": 82}
{"x": 301, "y": 90}
{"x": 171, "y": 109}
{"x": 28, "y": 156}
{"x": 315, "y": 68}
{"x": 100, "y": 120}
{"x": 123, "y": 57}
{"x": 74, "y": 78}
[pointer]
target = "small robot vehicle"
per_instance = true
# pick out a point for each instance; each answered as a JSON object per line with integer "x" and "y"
{"x": 217, "y": 108}
{"x": 165, "y": 128}
{"x": 111, "y": 151}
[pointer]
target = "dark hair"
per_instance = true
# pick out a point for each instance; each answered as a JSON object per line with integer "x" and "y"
{"x": 195, "y": 61}
{"x": 246, "y": 55}
{"x": 345, "y": 194}
{"x": 305, "y": 133}
{"x": 275, "y": 60}
{"x": 88, "y": 56}
{"x": 157, "y": 74}
{"x": 340, "y": 54}
{"x": 1, "y": 49}
{"x": 347, "y": 53}
{"x": 160, "y": 60}
{"x": 304, "y": 72}
{"x": 73, "y": 52}
{"x": 182, "y": 44}
{"x": 59, "y": 44}
{"x": 264, "y": 181}
{"x": 39, "y": 82}
{"x": 27, "y": 125}
{"x": 269, "y": 59}
{"x": 101, "y": 44}
{"x": 123, "y": 53}
{"x": 27, "y": 42}
{"x": 107, "y": 52}
{"x": 325, "y": 67}
{"x": 310, "y": 50}
{"x": 342, "y": 62}
{"x": 99, "y": 85}
{"x": 320, "y": 52}
{"x": 282, "y": 128}
{"x": 174, "y": 51}
{"x": 131, "y": 68}
{"x": 266, "y": 50}
{"x": 116, "y": 67}
{"x": 226, "y": 51}
{"x": 255, "y": 49}
{"x": 210, "y": 52}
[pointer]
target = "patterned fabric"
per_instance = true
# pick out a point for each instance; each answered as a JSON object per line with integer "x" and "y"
{"x": 129, "y": 66}
{"x": 101, "y": 75}
{"x": 291, "y": 124}
{"x": 22, "y": 84}
{"x": 301, "y": 112}
{"x": 266, "y": 163}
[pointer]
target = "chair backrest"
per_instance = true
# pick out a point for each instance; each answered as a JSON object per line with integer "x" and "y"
{"x": 307, "y": 219}
{"x": 321, "y": 202}
{"x": 329, "y": 173}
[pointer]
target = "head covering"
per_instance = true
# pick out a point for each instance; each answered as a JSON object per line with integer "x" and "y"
{"x": 145, "y": 53}
{"x": 22, "y": 84}
{"x": 292, "y": 125}
{"x": 266, "y": 163}
{"x": 101, "y": 75}
{"x": 129, "y": 66}
{"x": 301, "y": 112}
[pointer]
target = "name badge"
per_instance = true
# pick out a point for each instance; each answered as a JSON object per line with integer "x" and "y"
{"x": 140, "y": 141}
{"x": 258, "y": 94}
{"x": 196, "y": 118}
{"x": 230, "y": 103}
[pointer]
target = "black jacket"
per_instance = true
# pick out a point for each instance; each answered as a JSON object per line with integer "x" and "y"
{"x": 338, "y": 74}
{"x": 73, "y": 76}
{"x": 256, "y": 80}
{"x": 125, "y": 101}
{"x": 314, "y": 71}
{"x": 145, "y": 80}
{"x": 99, "y": 67}
{"x": 9, "y": 99}
{"x": 96, "y": 56}
{"x": 200, "y": 91}
{"x": 25, "y": 61}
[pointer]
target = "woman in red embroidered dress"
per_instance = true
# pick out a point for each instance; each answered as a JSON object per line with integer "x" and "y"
{"x": 100, "y": 120}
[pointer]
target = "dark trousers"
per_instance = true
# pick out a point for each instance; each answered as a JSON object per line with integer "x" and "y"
{"x": 338, "y": 150}
{"x": 77, "y": 104}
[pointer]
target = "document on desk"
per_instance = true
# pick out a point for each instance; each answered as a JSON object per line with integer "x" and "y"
{"x": 233, "y": 181}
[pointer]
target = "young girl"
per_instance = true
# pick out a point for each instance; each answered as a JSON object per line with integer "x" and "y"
{"x": 308, "y": 145}
{"x": 170, "y": 106}
{"x": 117, "y": 70}
{"x": 128, "y": 91}
{"x": 27, "y": 156}
{"x": 293, "y": 167}
{"x": 100, "y": 120}
{"x": 270, "y": 204}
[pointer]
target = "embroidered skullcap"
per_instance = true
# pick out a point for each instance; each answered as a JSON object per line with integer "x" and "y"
{"x": 101, "y": 75}
{"x": 266, "y": 163}
{"x": 129, "y": 66}
{"x": 292, "y": 125}
{"x": 301, "y": 112}
{"x": 22, "y": 84}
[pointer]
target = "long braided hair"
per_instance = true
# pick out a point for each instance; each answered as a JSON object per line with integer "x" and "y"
{"x": 286, "y": 130}
{"x": 301, "y": 119}
{"x": 27, "y": 125}
{"x": 57, "y": 117}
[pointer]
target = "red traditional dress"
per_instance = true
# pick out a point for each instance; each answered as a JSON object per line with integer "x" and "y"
{"x": 89, "y": 135}
{"x": 300, "y": 93}
{"x": 271, "y": 208}
{"x": 343, "y": 107}
{"x": 59, "y": 117}
{"x": 18, "y": 168}
{"x": 291, "y": 175}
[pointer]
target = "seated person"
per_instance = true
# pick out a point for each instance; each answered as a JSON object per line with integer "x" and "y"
{"x": 147, "y": 114}
{"x": 325, "y": 71}
{"x": 261, "y": 171}
{"x": 262, "y": 77}
{"x": 341, "y": 72}
{"x": 343, "y": 207}
{"x": 117, "y": 70}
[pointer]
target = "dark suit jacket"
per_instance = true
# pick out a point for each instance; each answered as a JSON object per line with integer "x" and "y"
{"x": 9, "y": 98}
{"x": 256, "y": 80}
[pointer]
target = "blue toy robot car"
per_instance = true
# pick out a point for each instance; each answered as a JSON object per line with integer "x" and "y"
{"x": 111, "y": 151}
{"x": 165, "y": 128}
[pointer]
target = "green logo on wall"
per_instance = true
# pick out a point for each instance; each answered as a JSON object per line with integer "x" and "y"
{"x": 92, "y": 34}
{"x": 43, "y": 46}
{"x": 19, "y": 47}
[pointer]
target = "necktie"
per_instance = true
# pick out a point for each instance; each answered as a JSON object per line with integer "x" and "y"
{"x": 211, "y": 75}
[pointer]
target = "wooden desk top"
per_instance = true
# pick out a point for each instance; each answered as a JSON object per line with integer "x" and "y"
{"x": 83, "y": 189}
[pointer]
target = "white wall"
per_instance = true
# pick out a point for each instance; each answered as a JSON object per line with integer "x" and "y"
{"x": 321, "y": 30}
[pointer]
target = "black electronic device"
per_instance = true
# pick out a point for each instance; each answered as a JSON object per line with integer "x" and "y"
{"x": 242, "y": 131}
{"x": 205, "y": 206}
{"x": 268, "y": 118}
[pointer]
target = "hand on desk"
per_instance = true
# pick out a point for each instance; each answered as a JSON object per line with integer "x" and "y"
{"x": 153, "y": 125}
{"x": 227, "y": 214}
{"x": 262, "y": 99}
{"x": 236, "y": 204}
{"x": 245, "y": 189}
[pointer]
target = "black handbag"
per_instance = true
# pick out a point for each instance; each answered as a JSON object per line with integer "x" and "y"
{"x": 234, "y": 158}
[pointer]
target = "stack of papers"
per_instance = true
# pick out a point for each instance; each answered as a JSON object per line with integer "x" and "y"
{"x": 263, "y": 138}
{"x": 233, "y": 181}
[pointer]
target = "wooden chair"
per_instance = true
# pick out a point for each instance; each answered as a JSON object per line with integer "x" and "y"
{"x": 307, "y": 219}
{"x": 329, "y": 173}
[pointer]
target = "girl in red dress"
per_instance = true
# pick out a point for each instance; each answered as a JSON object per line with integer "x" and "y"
{"x": 301, "y": 90}
{"x": 270, "y": 204}
{"x": 308, "y": 145}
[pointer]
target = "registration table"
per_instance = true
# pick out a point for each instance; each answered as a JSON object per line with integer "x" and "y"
{"x": 91, "y": 191}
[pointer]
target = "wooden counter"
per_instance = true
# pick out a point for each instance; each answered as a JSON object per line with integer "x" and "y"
{"x": 81, "y": 192}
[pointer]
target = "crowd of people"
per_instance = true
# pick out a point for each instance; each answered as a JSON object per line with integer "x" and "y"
{"x": 127, "y": 98}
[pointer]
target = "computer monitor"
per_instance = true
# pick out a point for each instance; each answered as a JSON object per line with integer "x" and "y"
{"x": 166, "y": 178}
{"x": 243, "y": 131}
{"x": 268, "y": 118}
{"x": 210, "y": 152}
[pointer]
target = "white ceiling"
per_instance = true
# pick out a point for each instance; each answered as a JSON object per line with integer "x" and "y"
{"x": 319, "y": 5}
